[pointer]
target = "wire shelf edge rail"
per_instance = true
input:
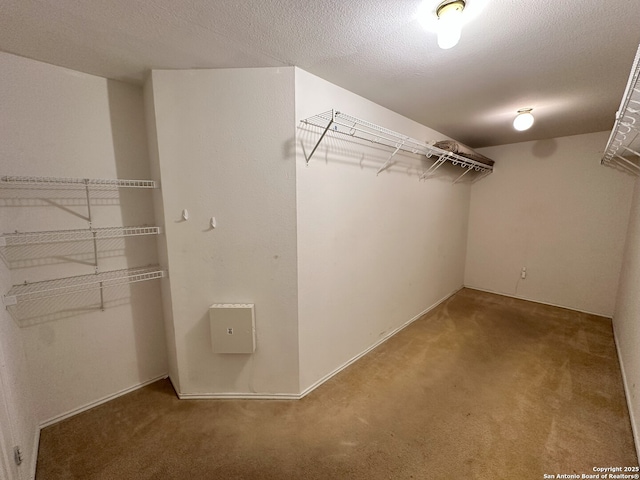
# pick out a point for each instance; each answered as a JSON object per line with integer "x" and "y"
{"x": 625, "y": 130}
{"x": 61, "y": 236}
{"x": 79, "y": 182}
{"x": 338, "y": 122}
{"x": 65, "y": 286}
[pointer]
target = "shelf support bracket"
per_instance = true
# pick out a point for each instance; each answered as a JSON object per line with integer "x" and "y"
{"x": 463, "y": 174}
{"x": 615, "y": 163}
{"x": 333, "y": 116}
{"x": 631, "y": 150}
{"x": 637, "y": 167}
{"x": 389, "y": 162}
{"x": 481, "y": 176}
{"x": 436, "y": 165}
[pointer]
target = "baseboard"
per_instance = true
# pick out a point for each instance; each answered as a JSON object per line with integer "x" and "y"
{"x": 272, "y": 396}
{"x": 238, "y": 396}
{"x": 627, "y": 391}
{"x": 95, "y": 403}
{"x": 520, "y": 297}
{"x": 322, "y": 380}
{"x": 34, "y": 452}
{"x": 233, "y": 396}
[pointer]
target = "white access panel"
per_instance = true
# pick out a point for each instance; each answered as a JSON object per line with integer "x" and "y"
{"x": 233, "y": 327}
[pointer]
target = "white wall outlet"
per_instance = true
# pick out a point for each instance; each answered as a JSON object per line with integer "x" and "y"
{"x": 523, "y": 273}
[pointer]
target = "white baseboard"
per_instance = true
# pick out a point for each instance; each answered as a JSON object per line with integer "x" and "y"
{"x": 95, "y": 403}
{"x": 272, "y": 396}
{"x": 233, "y": 396}
{"x": 520, "y": 297}
{"x": 238, "y": 396}
{"x": 627, "y": 391}
{"x": 322, "y": 380}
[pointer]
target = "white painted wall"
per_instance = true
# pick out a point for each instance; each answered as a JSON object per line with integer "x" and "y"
{"x": 224, "y": 140}
{"x": 551, "y": 207}
{"x": 18, "y": 422}
{"x": 374, "y": 252}
{"x": 58, "y": 122}
{"x": 626, "y": 320}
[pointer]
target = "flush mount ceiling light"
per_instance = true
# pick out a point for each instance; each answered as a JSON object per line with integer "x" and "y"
{"x": 430, "y": 12}
{"x": 449, "y": 23}
{"x": 523, "y": 120}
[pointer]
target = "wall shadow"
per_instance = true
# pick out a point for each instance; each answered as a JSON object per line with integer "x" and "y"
{"x": 129, "y": 136}
{"x": 544, "y": 148}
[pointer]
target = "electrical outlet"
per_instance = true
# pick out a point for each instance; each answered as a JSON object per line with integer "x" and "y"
{"x": 523, "y": 273}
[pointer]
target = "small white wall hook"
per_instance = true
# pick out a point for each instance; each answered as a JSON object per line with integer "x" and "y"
{"x": 213, "y": 222}
{"x": 185, "y": 214}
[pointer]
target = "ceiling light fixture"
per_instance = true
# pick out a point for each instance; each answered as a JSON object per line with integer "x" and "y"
{"x": 449, "y": 23}
{"x": 523, "y": 120}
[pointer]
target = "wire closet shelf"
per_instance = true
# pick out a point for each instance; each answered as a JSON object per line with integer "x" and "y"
{"x": 61, "y": 236}
{"x": 623, "y": 147}
{"x": 338, "y": 122}
{"x": 28, "y": 292}
{"x": 41, "y": 290}
{"x": 96, "y": 183}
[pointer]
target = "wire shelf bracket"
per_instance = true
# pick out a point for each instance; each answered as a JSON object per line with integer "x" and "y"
{"x": 435, "y": 166}
{"x": 338, "y": 122}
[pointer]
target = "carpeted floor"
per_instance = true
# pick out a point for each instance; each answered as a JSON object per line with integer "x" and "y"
{"x": 483, "y": 387}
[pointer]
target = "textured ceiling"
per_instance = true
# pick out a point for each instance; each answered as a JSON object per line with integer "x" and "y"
{"x": 569, "y": 60}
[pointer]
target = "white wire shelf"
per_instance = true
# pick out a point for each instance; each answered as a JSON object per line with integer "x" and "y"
{"x": 28, "y": 292}
{"x": 623, "y": 147}
{"x": 100, "y": 183}
{"x": 60, "y": 236}
{"x": 338, "y": 122}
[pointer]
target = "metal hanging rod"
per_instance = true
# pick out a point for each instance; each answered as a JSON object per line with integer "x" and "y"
{"x": 28, "y": 292}
{"x": 338, "y": 122}
{"x": 80, "y": 182}
{"x": 59, "y": 236}
{"x": 623, "y": 146}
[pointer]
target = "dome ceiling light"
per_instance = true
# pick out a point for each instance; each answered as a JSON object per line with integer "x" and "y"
{"x": 524, "y": 120}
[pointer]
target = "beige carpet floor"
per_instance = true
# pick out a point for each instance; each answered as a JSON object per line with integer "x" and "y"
{"x": 483, "y": 387}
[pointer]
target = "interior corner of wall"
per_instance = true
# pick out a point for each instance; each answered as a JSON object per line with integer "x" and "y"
{"x": 174, "y": 379}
